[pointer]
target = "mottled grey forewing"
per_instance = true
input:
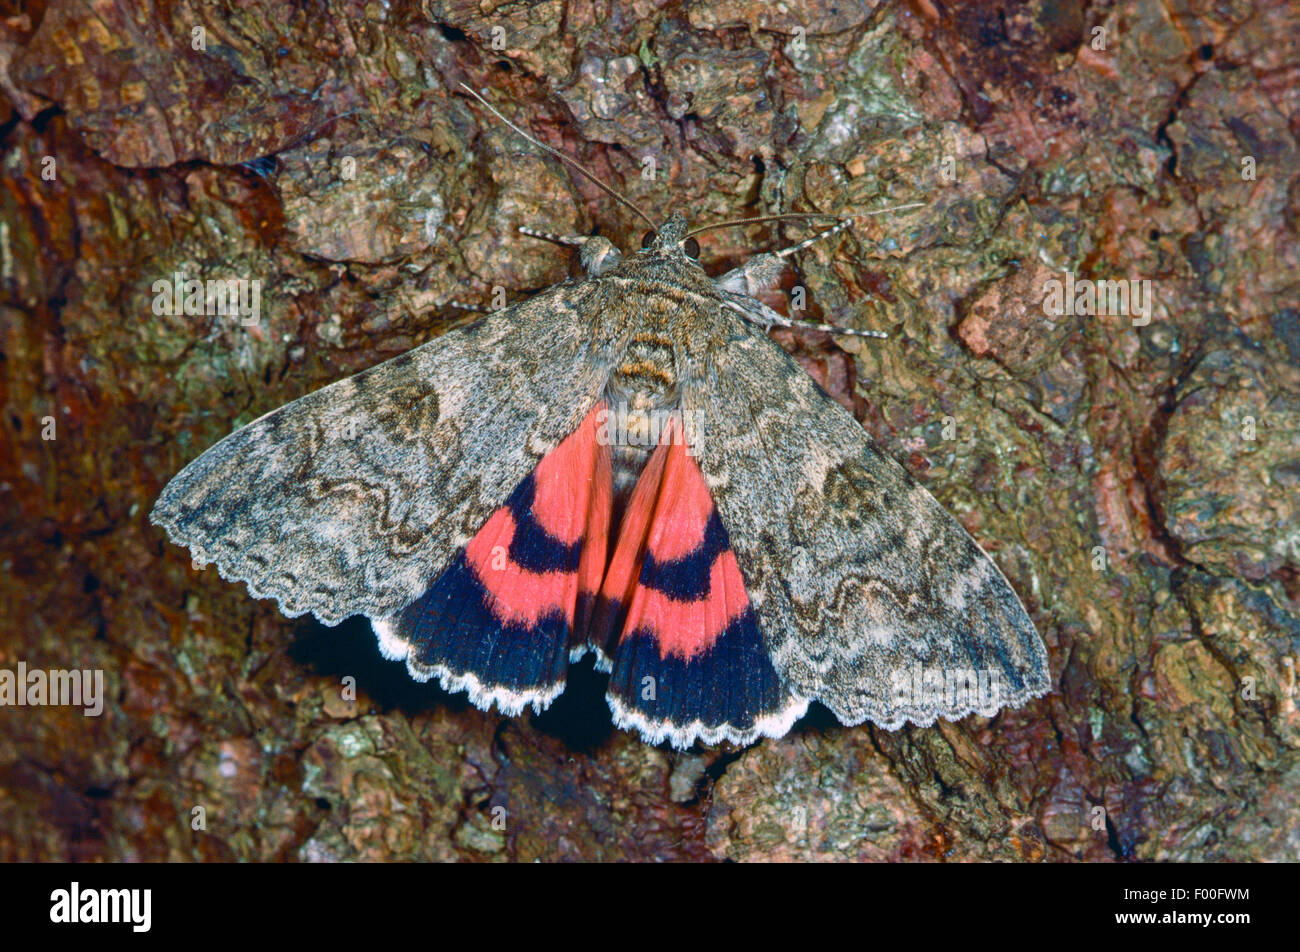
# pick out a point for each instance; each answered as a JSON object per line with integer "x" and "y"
{"x": 352, "y": 498}
{"x": 866, "y": 589}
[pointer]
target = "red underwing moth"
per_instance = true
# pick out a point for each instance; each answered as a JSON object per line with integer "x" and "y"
{"x": 624, "y": 464}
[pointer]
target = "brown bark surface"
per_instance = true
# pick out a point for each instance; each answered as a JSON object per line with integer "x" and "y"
{"x": 1137, "y": 484}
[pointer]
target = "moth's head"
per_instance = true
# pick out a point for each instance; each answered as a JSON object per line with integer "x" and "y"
{"x": 671, "y": 239}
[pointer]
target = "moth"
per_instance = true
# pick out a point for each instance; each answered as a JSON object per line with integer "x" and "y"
{"x": 624, "y": 464}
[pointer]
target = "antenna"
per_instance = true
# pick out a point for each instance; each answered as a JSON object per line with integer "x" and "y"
{"x": 562, "y": 157}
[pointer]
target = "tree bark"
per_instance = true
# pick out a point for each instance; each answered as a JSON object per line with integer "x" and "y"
{"x": 1134, "y": 475}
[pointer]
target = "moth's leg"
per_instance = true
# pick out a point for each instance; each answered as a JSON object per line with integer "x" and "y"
{"x": 759, "y": 273}
{"x": 573, "y": 241}
{"x": 472, "y": 308}
{"x": 830, "y": 232}
{"x": 756, "y": 312}
{"x": 417, "y": 310}
{"x": 763, "y": 271}
{"x": 838, "y": 227}
{"x": 596, "y": 254}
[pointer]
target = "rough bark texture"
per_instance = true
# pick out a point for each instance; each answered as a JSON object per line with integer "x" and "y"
{"x": 1137, "y": 484}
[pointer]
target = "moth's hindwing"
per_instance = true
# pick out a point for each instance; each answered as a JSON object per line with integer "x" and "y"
{"x": 687, "y": 659}
{"x": 350, "y": 499}
{"x": 871, "y": 598}
{"x": 499, "y": 620}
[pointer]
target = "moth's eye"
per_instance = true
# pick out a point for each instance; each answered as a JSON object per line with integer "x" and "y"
{"x": 691, "y": 247}
{"x": 647, "y": 239}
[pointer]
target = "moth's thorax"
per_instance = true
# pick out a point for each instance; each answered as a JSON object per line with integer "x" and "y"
{"x": 654, "y": 272}
{"x": 661, "y": 303}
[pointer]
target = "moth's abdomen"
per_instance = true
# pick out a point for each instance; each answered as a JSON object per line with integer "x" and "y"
{"x": 647, "y": 370}
{"x": 642, "y": 396}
